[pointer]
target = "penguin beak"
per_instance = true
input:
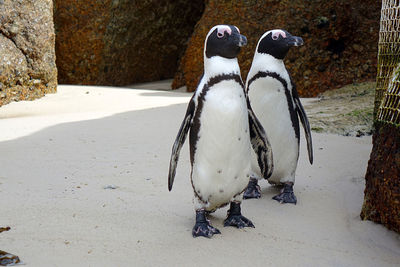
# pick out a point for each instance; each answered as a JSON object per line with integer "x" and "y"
{"x": 242, "y": 40}
{"x": 295, "y": 41}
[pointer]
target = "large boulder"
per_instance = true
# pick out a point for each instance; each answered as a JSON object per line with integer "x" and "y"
{"x": 382, "y": 180}
{"x": 119, "y": 42}
{"x": 340, "y": 39}
{"x": 27, "y": 55}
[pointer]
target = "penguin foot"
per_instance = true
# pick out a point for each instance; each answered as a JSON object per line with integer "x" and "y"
{"x": 204, "y": 229}
{"x": 235, "y": 217}
{"x": 286, "y": 195}
{"x": 239, "y": 221}
{"x": 253, "y": 190}
{"x": 203, "y": 226}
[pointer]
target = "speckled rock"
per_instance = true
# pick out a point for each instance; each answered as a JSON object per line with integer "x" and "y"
{"x": 382, "y": 181}
{"x": 27, "y": 55}
{"x": 119, "y": 42}
{"x": 340, "y": 39}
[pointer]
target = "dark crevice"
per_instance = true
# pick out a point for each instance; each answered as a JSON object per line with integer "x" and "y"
{"x": 336, "y": 46}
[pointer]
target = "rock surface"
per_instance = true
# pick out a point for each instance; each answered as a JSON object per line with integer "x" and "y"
{"x": 382, "y": 180}
{"x": 120, "y": 42}
{"x": 27, "y": 55}
{"x": 340, "y": 39}
{"x": 382, "y": 186}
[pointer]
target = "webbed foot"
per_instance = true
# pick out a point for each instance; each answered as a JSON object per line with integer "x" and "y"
{"x": 253, "y": 190}
{"x": 286, "y": 195}
{"x": 203, "y": 226}
{"x": 235, "y": 217}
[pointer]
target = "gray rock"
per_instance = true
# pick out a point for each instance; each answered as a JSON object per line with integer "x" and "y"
{"x": 111, "y": 186}
{"x": 27, "y": 50}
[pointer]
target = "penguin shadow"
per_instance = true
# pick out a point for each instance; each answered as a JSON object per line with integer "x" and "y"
{"x": 268, "y": 191}
{"x": 217, "y": 218}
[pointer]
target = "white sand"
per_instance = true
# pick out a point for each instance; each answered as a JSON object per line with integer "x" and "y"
{"x": 58, "y": 153}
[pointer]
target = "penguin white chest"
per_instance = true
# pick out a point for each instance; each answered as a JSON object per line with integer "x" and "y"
{"x": 223, "y": 151}
{"x": 270, "y": 104}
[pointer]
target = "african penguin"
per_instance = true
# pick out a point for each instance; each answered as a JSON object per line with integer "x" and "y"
{"x": 223, "y": 129}
{"x": 275, "y": 102}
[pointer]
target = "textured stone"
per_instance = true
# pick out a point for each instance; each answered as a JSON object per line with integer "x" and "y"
{"x": 382, "y": 181}
{"x": 27, "y": 55}
{"x": 340, "y": 38}
{"x": 121, "y": 42}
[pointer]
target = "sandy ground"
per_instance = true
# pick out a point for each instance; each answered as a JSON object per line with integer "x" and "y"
{"x": 61, "y": 155}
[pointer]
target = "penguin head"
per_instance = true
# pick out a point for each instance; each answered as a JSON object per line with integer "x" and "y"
{"x": 224, "y": 41}
{"x": 277, "y": 43}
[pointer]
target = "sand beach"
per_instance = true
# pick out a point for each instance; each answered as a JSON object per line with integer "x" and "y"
{"x": 83, "y": 182}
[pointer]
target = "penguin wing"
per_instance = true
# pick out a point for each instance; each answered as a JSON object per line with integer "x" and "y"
{"x": 179, "y": 141}
{"x": 304, "y": 121}
{"x": 260, "y": 143}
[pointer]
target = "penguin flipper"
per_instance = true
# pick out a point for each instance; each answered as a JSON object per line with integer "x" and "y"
{"x": 304, "y": 121}
{"x": 179, "y": 141}
{"x": 260, "y": 144}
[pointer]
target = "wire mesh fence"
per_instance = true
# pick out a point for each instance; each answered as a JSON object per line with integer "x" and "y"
{"x": 387, "y": 99}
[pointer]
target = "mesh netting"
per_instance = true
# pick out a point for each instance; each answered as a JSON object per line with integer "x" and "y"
{"x": 387, "y": 99}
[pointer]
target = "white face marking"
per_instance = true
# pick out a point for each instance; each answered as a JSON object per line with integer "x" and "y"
{"x": 277, "y": 33}
{"x": 222, "y": 29}
{"x": 213, "y": 29}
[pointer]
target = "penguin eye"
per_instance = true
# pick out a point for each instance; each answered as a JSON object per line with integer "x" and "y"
{"x": 222, "y": 29}
{"x": 278, "y": 33}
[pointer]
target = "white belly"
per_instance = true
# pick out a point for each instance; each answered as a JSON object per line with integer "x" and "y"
{"x": 269, "y": 103}
{"x": 222, "y": 159}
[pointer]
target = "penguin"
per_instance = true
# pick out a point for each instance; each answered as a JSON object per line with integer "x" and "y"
{"x": 276, "y": 104}
{"x": 222, "y": 132}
